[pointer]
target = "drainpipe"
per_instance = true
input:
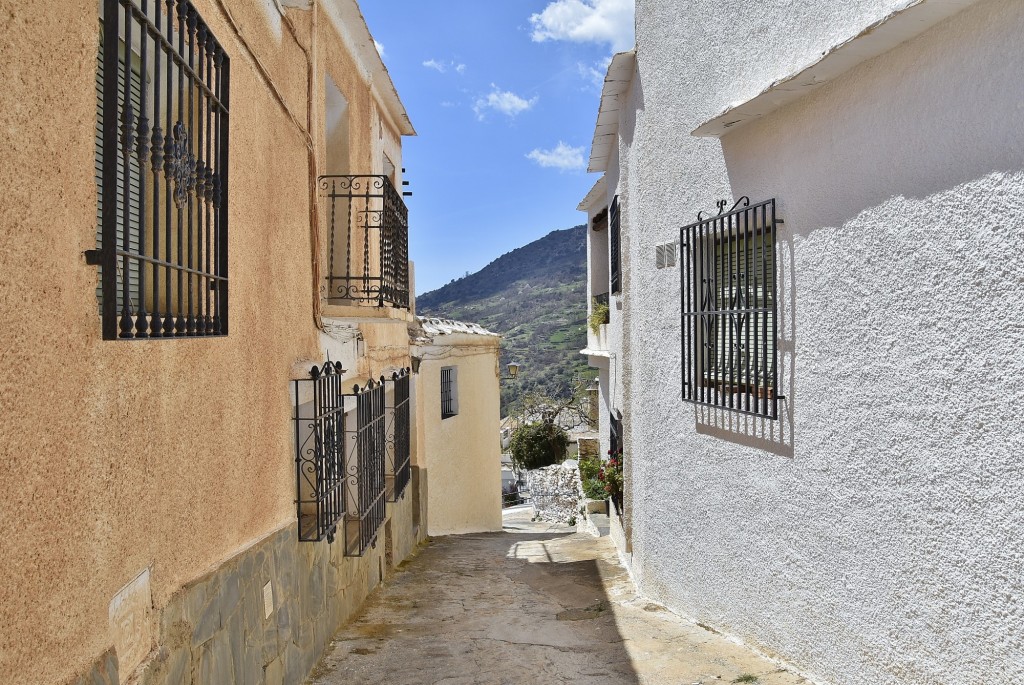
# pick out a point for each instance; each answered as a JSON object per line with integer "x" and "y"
{"x": 310, "y": 55}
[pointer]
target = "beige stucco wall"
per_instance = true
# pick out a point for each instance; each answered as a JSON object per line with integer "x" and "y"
{"x": 461, "y": 453}
{"x": 167, "y": 455}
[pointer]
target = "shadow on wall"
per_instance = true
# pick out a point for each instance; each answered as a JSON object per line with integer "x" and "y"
{"x": 926, "y": 127}
{"x": 829, "y": 157}
{"x": 755, "y": 431}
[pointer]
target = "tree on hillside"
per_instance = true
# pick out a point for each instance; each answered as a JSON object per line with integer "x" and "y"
{"x": 574, "y": 409}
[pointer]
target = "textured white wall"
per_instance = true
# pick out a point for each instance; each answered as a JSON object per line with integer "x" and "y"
{"x": 876, "y": 533}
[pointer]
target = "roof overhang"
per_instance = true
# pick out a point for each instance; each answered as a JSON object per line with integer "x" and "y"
{"x": 915, "y": 17}
{"x": 597, "y": 196}
{"x": 616, "y": 83}
{"x": 351, "y": 25}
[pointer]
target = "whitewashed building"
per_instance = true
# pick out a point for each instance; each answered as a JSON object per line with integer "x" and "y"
{"x": 819, "y": 379}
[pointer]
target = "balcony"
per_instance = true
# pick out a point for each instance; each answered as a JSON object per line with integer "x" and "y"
{"x": 367, "y": 241}
{"x": 597, "y": 328}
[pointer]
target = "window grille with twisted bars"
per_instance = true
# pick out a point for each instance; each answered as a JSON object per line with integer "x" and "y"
{"x": 365, "y": 468}
{"x": 399, "y": 466}
{"x": 368, "y": 241}
{"x": 161, "y": 171}
{"x": 730, "y": 309}
{"x": 320, "y": 452}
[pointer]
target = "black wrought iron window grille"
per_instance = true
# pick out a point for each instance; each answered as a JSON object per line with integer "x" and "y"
{"x": 449, "y": 392}
{"x": 341, "y": 447}
{"x": 161, "y": 172}
{"x": 399, "y": 459}
{"x": 320, "y": 459}
{"x": 365, "y": 468}
{"x": 368, "y": 241}
{"x": 615, "y": 239}
{"x": 616, "y": 450}
{"x": 730, "y": 309}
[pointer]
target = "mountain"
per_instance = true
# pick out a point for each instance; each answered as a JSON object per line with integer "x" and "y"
{"x": 535, "y": 296}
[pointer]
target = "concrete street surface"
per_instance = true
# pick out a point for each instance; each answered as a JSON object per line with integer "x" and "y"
{"x": 537, "y": 603}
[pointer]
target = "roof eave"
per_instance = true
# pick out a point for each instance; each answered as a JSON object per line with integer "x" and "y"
{"x": 616, "y": 82}
{"x": 915, "y": 17}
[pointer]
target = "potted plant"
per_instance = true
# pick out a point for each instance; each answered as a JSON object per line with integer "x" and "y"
{"x": 611, "y": 476}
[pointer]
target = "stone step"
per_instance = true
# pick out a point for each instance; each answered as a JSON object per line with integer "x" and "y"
{"x": 600, "y": 522}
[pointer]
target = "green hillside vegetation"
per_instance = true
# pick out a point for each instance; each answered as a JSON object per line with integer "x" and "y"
{"x": 535, "y": 296}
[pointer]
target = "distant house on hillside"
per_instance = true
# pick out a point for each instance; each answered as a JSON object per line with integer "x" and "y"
{"x": 808, "y": 235}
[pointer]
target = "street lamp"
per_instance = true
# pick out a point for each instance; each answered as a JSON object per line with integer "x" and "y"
{"x": 513, "y": 371}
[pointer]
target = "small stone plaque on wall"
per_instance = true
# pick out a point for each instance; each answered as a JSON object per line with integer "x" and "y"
{"x": 130, "y": 624}
{"x": 268, "y": 600}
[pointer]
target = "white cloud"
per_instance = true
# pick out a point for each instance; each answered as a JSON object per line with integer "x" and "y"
{"x": 380, "y": 49}
{"x": 586, "y": 21}
{"x": 504, "y": 101}
{"x": 562, "y": 157}
{"x": 441, "y": 67}
{"x": 591, "y": 73}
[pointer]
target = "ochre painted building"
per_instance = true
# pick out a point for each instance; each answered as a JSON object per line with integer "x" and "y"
{"x": 150, "y": 524}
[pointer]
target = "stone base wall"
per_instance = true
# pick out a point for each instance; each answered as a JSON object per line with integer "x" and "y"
{"x": 556, "y": 491}
{"x": 265, "y": 616}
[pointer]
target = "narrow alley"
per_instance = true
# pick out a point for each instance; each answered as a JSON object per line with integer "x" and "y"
{"x": 535, "y": 603}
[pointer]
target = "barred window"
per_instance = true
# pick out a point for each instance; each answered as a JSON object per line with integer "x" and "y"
{"x": 399, "y": 469}
{"x": 161, "y": 172}
{"x": 320, "y": 452}
{"x": 343, "y": 448}
{"x": 449, "y": 392}
{"x": 367, "y": 509}
{"x": 614, "y": 237}
{"x": 729, "y": 309}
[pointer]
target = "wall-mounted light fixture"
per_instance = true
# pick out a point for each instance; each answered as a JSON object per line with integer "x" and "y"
{"x": 416, "y": 364}
{"x": 513, "y": 372}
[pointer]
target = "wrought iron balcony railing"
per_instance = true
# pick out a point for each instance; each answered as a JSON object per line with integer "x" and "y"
{"x": 367, "y": 242}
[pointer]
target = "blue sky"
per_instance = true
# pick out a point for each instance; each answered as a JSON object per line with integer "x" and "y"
{"x": 503, "y": 95}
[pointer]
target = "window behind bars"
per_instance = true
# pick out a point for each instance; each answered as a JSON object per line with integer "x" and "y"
{"x": 161, "y": 172}
{"x": 729, "y": 309}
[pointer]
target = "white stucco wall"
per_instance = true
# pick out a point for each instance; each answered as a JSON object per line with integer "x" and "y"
{"x": 598, "y": 264}
{"x": 875, "y": 534}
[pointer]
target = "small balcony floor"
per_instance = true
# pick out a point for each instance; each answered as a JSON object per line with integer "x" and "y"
{"x": 536, "y": 603}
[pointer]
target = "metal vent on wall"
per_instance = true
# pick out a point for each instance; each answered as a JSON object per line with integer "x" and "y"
{"x": 665, "y": 255}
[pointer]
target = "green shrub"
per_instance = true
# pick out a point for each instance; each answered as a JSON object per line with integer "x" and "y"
{"x": 589, "y": 467}
{"x": 536, "y": 445}
{"x": 598, "y": 315}
{"x": 593, "y": 488}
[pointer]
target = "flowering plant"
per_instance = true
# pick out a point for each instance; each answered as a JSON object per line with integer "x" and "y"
{"x": 611, "y": 474}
